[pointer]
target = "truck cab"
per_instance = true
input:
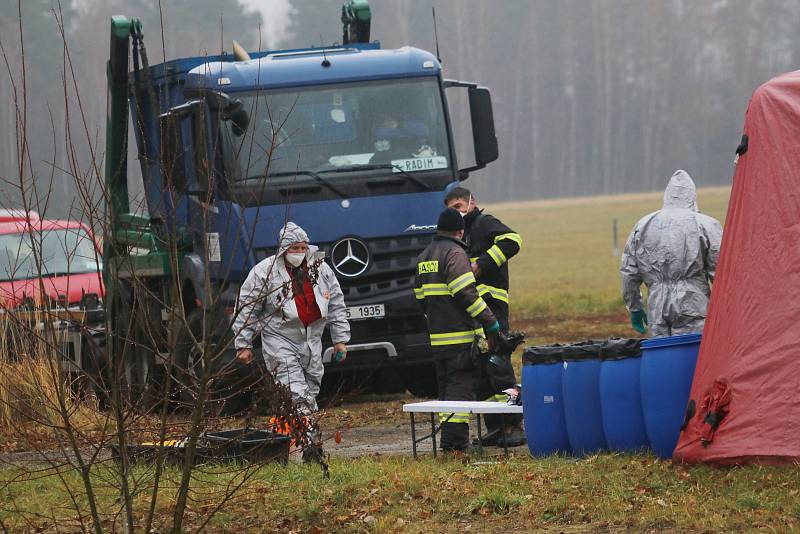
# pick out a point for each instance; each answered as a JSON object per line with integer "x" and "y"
{"x": 352, "y": 142}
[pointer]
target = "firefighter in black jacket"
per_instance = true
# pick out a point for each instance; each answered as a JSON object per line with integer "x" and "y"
{"x": 457, "y": 318}
{"x": 490, "y": 245}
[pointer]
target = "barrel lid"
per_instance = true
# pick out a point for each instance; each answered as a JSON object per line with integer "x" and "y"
{"x": 660, "y": 342}
{"x": 621, "y": 348}
{"x": 608, "y": 349}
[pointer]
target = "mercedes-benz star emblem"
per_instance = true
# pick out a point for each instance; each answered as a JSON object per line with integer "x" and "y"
{"x": 350, "y": 257}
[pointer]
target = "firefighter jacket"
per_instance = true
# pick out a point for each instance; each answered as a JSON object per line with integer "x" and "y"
{"x": 491, "y": 244}
{"x": 446, "y": 287}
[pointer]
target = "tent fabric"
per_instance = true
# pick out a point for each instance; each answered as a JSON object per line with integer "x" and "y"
{"x": 746, "y": 388}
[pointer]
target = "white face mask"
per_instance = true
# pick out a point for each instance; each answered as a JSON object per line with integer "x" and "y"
{"x": 466, "y": 212}
{"x": 295, "y": 258}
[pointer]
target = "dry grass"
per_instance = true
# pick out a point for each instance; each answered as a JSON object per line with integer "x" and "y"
{"x": 36, "y": 395}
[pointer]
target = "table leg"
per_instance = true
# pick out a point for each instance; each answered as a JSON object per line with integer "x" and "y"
{"x": 480, "y": 435}
{"x": 433, "y": 435}
{"x": 413, "y": 435}
{"x": 503, "y": 433}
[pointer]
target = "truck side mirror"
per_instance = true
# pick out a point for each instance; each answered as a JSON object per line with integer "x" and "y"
{"x": 173, "y": 166}
{"x": 484, "y": 141}
{"x": 202, "y": 163}
{"x": 483, "y": 136}
{"x": 174, "y": 146}
{"x": 239, "y": 118}
{"x": 231, "y": 109}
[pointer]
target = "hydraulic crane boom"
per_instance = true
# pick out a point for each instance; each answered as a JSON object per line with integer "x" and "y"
{"x": 356, "y": 17}
{"x": 116, "y": 172}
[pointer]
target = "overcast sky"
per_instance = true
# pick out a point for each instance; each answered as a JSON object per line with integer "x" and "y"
{"x": 275, "y": 14}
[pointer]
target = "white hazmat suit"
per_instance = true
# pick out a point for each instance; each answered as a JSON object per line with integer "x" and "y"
{"x": 292, "y": 351}
{"x": 674, "y": 252}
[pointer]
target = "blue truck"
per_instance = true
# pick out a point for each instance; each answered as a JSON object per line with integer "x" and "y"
{"x": 351, "y": 141}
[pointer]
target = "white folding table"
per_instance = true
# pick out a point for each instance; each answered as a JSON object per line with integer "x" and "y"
{"x": 472, "y": 407}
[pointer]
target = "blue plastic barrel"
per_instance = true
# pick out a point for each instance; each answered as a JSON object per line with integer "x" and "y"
{"x": 542, "y": 402}
{"x": 621, "y": 405}
{"x": 665, "y": 382}
{"x": 584, "y": 420}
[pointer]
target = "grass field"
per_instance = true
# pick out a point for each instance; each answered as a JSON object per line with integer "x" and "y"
{"x": 599, "y": 493}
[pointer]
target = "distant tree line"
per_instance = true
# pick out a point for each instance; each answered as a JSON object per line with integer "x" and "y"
{"x": 190, "y": 28}
{"x": 596, "y": 97}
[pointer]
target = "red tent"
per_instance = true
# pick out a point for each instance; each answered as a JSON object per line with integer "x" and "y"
{"x": 746, "y": 389}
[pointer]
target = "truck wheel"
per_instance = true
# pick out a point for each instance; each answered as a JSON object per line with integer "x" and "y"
{"x": 191, "y": 365}
{"x": 121, "y": 373}
{"x": 145, "y": 377}
{"x": 95, "y": 367}
{"x": 387, "y": 380}
{"x": 421, "y": 380}
{"x": 133, "y": 361}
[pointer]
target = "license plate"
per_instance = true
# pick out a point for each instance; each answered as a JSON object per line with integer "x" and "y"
{"x": 419, "y": 164}
{"x": 372, "y": 311}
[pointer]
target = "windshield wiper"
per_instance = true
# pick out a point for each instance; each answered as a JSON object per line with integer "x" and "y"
{"x": 375, "y": 166}
{"x": 319, "y": 179}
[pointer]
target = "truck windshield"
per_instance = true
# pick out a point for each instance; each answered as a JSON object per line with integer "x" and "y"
{"x": 63, "y": 252}
{"x": 397, "y": 125}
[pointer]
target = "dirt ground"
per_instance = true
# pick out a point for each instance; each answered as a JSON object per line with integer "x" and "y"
{"x": 357, "y": 424}
{"x": 389, "y": 440}
{"x": 383, "y": 440}
{"x": 376, "y": 424}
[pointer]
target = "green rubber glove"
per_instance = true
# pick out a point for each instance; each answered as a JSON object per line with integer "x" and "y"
{"x": 639, "y": 321}
{"x": 495, "y": 328}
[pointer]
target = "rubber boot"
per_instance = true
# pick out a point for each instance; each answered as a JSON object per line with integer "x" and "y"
{"x": 455, "y": 437}
{"x": 312, "y": 452}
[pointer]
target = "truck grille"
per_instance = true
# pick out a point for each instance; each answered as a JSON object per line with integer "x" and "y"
{"x": 393, "y": 262}
{"x": 392, "y": 265}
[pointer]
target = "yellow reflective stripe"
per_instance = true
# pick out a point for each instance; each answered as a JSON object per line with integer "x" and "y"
{"x": 497, "y": 255}
{"x": 500, "y": 253}
{"x": 419, "y": 293}
{"x": 494, "y": 292}
{"x": 500, "y": 397}
{"x": 453, "y": 417}
{"x": 476, "y": 307}
{"x": 455, "y": 338}
{"x": 516, "y": 238}
{"x": 499, "y": 294}
{"x": 437, "y": 289}
{"x": 441, "y": 335}
{"x": 473, "y": 260}
{"x": 461, "y": 282}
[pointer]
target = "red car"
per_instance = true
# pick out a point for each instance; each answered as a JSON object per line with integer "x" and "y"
{"x": 51, "y": 261}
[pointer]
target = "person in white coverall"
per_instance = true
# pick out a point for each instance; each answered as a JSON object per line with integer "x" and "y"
{"x": 289, "y": 298}
{"x": 674, "y": 252}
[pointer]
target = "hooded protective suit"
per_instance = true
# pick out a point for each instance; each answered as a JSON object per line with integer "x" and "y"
{"x": 674, "y": 252}
{"x": 266, "y": 304}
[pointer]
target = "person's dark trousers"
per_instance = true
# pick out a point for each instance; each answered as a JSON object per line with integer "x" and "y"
{"x": 455, "y": 372}
{"x": 494, "y": 379}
